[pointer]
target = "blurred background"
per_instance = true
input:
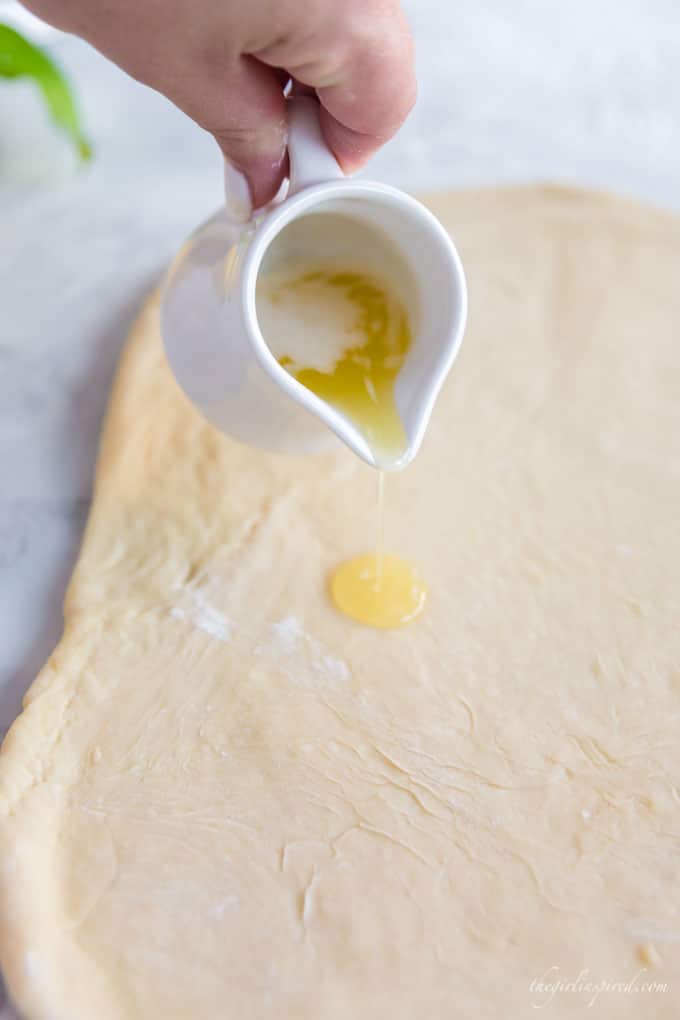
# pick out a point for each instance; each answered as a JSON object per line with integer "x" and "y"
{"x": 586, "y": 93}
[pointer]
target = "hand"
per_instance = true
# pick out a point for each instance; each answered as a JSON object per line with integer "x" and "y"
{"x": 224, "y": 63}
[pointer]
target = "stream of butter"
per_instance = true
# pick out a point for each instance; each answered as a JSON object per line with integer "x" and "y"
{"x": 342, "y": 334}
{"x": 377, "y": 588}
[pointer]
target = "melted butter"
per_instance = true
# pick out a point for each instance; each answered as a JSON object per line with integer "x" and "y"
{"x": 379, "y": 589}
{"x": 375, "y": 337}
{"x": 342, "y": 335}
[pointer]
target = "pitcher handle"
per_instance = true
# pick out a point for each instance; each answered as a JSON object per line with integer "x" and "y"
{"x": 311, "y": 161}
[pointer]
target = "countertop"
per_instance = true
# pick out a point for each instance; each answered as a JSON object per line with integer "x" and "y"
{"x": 580, "y": 93}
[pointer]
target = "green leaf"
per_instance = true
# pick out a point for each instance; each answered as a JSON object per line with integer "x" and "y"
{"x": 20, "y": 58}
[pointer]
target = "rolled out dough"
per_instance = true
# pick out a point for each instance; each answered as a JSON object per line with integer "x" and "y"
{"x": 224, "y": 801}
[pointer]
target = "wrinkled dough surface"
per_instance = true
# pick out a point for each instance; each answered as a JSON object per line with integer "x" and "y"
{"x": 224, "y": 800}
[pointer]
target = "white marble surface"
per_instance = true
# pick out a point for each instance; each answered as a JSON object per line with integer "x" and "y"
{"x": 531, "y": 90}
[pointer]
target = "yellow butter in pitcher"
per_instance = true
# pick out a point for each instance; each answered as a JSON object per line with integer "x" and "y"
{"x": 342, "y": 334}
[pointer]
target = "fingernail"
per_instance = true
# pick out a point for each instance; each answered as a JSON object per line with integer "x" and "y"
{"x": 237, "y": 194}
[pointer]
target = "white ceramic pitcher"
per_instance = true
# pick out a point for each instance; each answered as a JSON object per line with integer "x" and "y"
{"x": 209, "y": 315}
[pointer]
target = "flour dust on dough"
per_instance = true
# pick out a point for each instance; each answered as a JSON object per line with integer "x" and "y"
{"x": 225, "y": 800}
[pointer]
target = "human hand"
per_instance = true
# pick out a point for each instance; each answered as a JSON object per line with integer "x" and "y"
{"x": 224, "y": 63}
